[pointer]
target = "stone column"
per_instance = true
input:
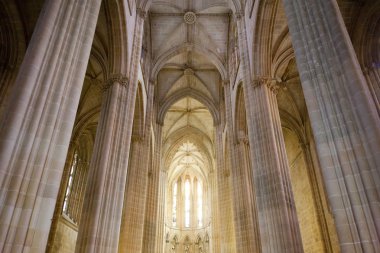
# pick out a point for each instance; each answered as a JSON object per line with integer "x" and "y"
{"x": 102, "y": 208}
{"x": 278, "y": 224}
{"x": 135, "y": 199}
{"x": 131, "y": 232}
{"x": 279, "y": 228}
{"x": 36, "y": 127}
{"x": 214, "y": 235}
{"x": 344, "y": 120}
{"x": 226, "y": 215}
{"x": 245, "y": 214}
{"x": 154, "y": 203}
{"x": 99, "y": 230}
{"x": 160, "y": 230}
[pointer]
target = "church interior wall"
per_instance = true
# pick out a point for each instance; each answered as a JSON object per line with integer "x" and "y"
{"x": 160, "y": 98}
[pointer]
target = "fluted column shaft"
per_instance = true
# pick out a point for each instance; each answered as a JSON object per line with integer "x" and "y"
{"x": 245, "y": 216}
{"x": 154, "y": 203}
{"x": 36, "y": 127}
{"x": 278, "y": 224}
{"x": 102, "y": 208}
{"x": 344, "y": 120}
{"x": 163, "y": 177}
{"x": 131, "y": 234}
{"x": 226, "y": 219}
{"x": 215, "y": 242}
{"x": 135, "y": 199}
{"x": 99, "y": 230}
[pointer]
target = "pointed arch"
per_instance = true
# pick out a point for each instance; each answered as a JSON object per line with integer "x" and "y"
{"x": 117, "y": 35}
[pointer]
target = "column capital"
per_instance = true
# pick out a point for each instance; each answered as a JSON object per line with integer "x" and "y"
{"x": 116, "y": 78}
{"x": 271, "y": 83}
{"x": 141, "y": 13}
{"x": 239, "y": 15}
{"x": 242, "y": 139}
{"x": 225, "y": 83}
{"x": 153, "y": 81}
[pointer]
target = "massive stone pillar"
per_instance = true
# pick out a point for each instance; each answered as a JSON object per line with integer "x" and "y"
{"x": 36, "y": 127}
{"x": 245, "y": 216}
{"x": 102, "y": 208}
{"x": 99, "y": 230}
{"x": 277, "y": 218}
{"x": 131, "y": 232}
{"x": 344, "y": 120}
{"x": 135, "y": 199}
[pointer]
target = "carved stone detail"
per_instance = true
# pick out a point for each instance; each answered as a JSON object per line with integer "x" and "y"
{"x": 116, "y": 78}
{"x": 190, "y": 17}
{"x": 271, "y": 83}
{"x": 188, "y": 72}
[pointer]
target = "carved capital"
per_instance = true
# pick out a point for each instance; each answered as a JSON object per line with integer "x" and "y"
{"x": 153, "y": 82}
{"x": 269, "y": 82}
{"x": 141, "y": 13}
{"x": 115, "y": 78}
{"x": 225, "y": 82}
{"x": 239, "y": 15}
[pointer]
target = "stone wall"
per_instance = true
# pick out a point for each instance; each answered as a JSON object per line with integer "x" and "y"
{"x": 65, "y": 237}
{"x": 306, "y": 211}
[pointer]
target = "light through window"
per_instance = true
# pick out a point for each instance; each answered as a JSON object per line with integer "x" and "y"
{"x": 65, "y": 208}
{"x": 187, "y": 203}
{"x": 200, "y": 202}
{"x": 175, "y": 205}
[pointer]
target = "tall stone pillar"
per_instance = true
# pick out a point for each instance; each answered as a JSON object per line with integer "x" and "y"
{"x": 135, "y": 199}
{"x": 277, "y": 218}
{"x": 245, "y": 214}
{"x": 99, "y": 230}
{"x": 102, "y": 208}
{"x": 153, "y": 221}
{"x": 36, "y": 127}
{"x": 131, "y": 232}
{"x": 344, "y": 120}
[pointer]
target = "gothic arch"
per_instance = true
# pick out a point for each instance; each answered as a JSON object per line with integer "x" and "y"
{"x": 12, "y": 47}
{"x": 363, "y": 39}
{"x": 139, "y": 115}
{"x": 117, "y": 36}
{"x": 241, "y": 129}
{"x": 262, "y": 39}
{"x": 194, "y": 136}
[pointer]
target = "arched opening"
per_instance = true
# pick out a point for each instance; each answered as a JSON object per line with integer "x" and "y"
{"x": 188, "y": 131}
